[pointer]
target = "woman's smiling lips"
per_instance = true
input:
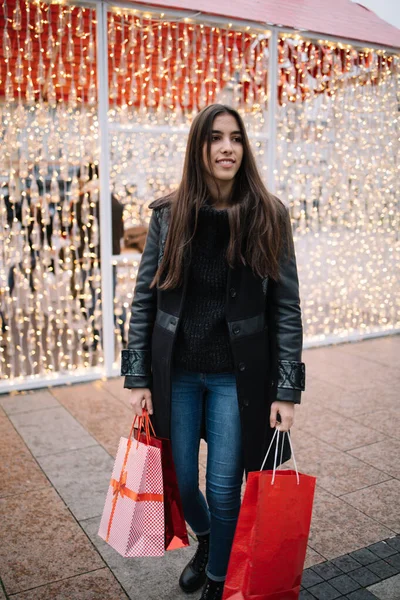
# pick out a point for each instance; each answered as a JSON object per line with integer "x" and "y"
{"x": 226, "y": 163}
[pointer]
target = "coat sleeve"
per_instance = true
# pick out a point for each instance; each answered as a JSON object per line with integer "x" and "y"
{"x": 289, "y": 329}
{"x": 136, "y": 358}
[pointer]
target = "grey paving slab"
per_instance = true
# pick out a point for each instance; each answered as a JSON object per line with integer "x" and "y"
{"x": 389, "y": 589}
{"x": 81, "y": 477}
{"x": 144, "y": 578}
{"x": 51, "y": 430}
{"x": 394, "y": 542}
{"x": 28, "y": 402}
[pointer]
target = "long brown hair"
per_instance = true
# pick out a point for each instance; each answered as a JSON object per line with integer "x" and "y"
{"x": 259, "y": 227}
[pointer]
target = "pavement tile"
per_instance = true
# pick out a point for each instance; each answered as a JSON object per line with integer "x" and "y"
{"x": 97, "y": 584}
{"x": 388, "y": 589}
{"x": 364, "y": 576}
{"x": 337, "y": 472}
{"x": 143, "y": 578}
{"x": 310, "y": 578}
{"x": 380, "y": 501}
{"x": 44, "y": 542}
{"x": 24, "y": 402}
{"x": 327, "y": 570}
{"x": 362, "y": 400}
{"x": 344, "y": 584}
{"x": 341, "y": 432}
{"x": 324, "y": 591}
{"x": 394, "y": 561}
{"x": 361, "y": 595}
{"x": 388, "y": 425}
{"x": 364, "y": 556}
{"x": 384, "y": 350}
{"x": 19, "y": 472}
{"x": 382, "y": 455}
{"x": 394, "y": 542}
{"x": 51, "y": 430}
{"x": 104, "y": 416}
{"x": 81, "y": 477}
{"x": 313, "y": 558}
{"x": 115, "y": 387}
{"x": 304, "y": 595}
{"x": 382, "y": 549}
{"x": 330, "y": 534}
{"x": 346, "y": 563}
{"x": 382, "y": 569}
{"x": 332, "y": 364}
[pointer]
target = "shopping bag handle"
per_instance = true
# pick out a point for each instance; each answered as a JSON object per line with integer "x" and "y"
{"x": 145, "y": 423}
{"x": 276, "y": 434}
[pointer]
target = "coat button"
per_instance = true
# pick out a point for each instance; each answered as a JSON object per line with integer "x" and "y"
{"x": 233, "y": 292}
{"x": 236, "y": 330}
{"x": 242, "y": 366}
{"x": 272, "y": 383}
{"x": 245, "y": 401}
{"x": 173, "y": 322}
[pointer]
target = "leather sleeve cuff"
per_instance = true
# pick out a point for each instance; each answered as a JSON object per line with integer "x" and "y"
{"x": 287, "y": 395}
{"x": 132, "y": 382}
{"x": 291, "y": 375}
{"x": 136, "y": 363}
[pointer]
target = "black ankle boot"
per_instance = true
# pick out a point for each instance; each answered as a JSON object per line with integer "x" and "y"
{"x": 213, "y": 590}
{"x": 194, "y": 574}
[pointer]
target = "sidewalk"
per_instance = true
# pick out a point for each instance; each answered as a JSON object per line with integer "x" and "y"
{"x": 57, "y": 447}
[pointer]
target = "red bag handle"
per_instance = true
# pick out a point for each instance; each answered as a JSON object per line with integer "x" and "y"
{"x": 145, "y": 424}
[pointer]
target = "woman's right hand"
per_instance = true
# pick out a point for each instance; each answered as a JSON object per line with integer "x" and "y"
{"x": 140, "y": 398}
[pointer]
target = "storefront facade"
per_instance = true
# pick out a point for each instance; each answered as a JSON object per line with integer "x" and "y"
{"x": 117, "y": 86}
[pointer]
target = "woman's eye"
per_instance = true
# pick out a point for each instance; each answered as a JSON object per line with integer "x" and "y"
{"x": 237, "y": 139}
{"x": 214, "y": 138}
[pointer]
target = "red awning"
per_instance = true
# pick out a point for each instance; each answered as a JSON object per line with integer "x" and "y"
{"x": 338, "y": 18}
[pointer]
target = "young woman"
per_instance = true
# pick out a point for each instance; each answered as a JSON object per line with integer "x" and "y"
{"x": 215, "y": 336}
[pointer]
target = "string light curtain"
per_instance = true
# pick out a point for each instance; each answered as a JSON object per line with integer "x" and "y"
{"x": 338, "y": 170}
{"x": 50, "y": 315}
{"x": 337, "y": 147}
{"x": 161, "y": 72}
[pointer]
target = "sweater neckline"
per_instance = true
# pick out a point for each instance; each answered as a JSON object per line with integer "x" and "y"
{"x": 209, "y": 207}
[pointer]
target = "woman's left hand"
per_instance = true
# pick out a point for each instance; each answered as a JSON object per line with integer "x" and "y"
{"x": 286, "y": 412}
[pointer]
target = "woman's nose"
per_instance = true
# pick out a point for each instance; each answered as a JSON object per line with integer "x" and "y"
{"x": 227, "y": 145}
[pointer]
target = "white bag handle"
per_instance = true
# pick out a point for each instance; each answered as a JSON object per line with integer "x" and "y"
{"x": 276, "y": 434}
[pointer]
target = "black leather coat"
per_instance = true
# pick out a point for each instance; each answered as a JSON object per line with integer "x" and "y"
{"x": 265, "y": 329}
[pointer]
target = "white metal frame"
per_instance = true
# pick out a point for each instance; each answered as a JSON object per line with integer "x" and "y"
{"x": 107, "y": 295}
{"x": 105, "y": 127}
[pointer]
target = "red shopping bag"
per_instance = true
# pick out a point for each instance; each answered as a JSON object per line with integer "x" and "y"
{"x": 270, "y": 543}
{"x": 133, "y": 517}
{"x": 175, "y": 526}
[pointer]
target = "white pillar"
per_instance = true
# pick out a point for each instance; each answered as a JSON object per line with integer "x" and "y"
{"x": 107, "y": 296}
{"x": 272, "y": 108}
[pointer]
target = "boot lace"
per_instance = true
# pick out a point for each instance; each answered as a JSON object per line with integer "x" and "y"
{"x": 200, "y": 559}
{"x": 212, "y": 591}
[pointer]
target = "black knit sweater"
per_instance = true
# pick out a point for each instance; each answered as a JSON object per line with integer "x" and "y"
{"x": 202, "y": 343}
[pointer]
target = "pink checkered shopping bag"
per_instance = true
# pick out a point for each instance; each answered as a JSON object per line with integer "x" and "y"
{"x": 133, "y": 517}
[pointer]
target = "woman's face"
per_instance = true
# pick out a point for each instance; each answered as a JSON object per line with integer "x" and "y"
{"x": 226, "y": 149}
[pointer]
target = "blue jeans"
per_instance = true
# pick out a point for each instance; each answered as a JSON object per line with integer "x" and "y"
{"x": 218, "y": 515}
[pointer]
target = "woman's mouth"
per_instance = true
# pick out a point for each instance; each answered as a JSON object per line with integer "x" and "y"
{"x": 226, "y": 163}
